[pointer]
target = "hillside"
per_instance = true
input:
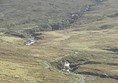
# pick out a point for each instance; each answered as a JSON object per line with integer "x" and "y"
{"x": 28, "y": 14}
{"x": 82, "y": 32}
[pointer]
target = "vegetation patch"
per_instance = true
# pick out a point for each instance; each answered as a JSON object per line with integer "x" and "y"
{"x": 6, "y": 38}
{"x": 15, "y": 71}
{"x": 92, "y": 65}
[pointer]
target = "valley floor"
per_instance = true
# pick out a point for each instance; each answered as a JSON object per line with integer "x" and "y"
{"x": 91, "y": 41}
{"x": 31, "y": 64}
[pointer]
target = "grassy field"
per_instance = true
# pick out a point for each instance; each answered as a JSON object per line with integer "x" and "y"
{"x": 22, "y": 64}
{"x": 91, "y": 42}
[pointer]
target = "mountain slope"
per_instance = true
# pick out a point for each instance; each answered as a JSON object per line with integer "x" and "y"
{"x": 90, "y": 42}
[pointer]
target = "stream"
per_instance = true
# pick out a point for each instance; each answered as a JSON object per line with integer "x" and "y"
{"x": 72, "y": 18}
{"x": 82, "y": 78}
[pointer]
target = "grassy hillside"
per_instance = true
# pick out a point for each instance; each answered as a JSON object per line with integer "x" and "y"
{"x": 101, "y": 16}
{"x": 90, "y": 42}
{"x": 27, "y": 14}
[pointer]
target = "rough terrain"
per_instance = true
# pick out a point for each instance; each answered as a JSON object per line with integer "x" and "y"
{"x": 90, "y": 43}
